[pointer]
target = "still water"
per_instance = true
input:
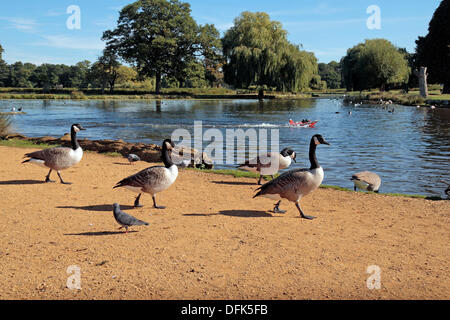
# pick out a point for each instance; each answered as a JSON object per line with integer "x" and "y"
{"x": 409, "y": 148}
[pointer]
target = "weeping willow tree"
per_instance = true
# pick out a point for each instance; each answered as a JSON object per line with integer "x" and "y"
{"x": 258, "y": 53}
{"x": 375, "y": 63}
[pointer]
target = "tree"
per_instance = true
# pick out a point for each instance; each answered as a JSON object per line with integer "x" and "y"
{"x": 125, "y": 74}
{"x": 75, "y": 76}
{"x": 433, "y": 50}
{"x": 375, "y": 63}
{"x": 159, "y": 37}
{"x": 331, "y": 74}
{"x": 109, "y": 65}
{"x": 258, "y": 53}
{"x": 3, "y": 70}
{"x": 211, "y": 52}
{"x": 46, "y": 76}
{"x": 20, "y": 74}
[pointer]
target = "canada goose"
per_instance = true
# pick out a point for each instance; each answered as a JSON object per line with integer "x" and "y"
{"x": 297, "y": 183}
{"x": 59, "y": 158}
{"x": 263, "y": 163}
{"x": 133, "y": 158}
{"x": 126, "y": 220}
{"x": 154, "y": 179}
{"x": 366, "y": 180}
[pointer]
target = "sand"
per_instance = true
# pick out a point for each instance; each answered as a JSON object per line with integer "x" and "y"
{"x": 213, "y": 241}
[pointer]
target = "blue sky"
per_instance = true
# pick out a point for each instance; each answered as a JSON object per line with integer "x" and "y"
{"x": 36, "y": 31}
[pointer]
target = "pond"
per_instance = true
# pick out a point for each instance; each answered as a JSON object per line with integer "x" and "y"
{"x": 409, "y": 148}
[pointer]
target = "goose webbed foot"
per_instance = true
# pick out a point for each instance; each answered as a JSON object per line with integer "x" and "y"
{"x": 302, "y": 214}
{"x": 136, "y": 202}
{"x": 277, "y": 209}
{"x": 156, "y": 206}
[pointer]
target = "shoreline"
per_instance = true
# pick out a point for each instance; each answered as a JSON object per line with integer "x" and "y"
{"x": 151, "y": 153}
{"x": 213, "y": 241}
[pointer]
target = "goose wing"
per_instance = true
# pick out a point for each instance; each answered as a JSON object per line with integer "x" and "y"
{"x": 261, "y": 161}
{"x": 144, "y": 178}
{"x": 366, "y": 176}
{"x": 50, "y": 153}
{"x": 289, "y": 183}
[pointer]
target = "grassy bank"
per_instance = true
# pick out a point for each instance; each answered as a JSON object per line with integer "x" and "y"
{"x": 132, "y": 94}
{"x": 245, "y": 174}
{"x": 17, "y": 143}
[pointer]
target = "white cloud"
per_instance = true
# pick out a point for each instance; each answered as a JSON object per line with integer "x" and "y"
{"x": 66, "y": 42}
{"x": 21, "y": 24}
{"x": 321, "y": 9}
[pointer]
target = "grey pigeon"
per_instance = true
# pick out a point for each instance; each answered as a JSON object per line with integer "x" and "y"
{"x": 133, "y": 158}
{"x": 125, "y": 220}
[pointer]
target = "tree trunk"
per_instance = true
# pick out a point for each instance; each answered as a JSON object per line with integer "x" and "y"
{"x": 423, "y": 86}
{"x": 158, "y": 83}
{"x": 261, "y": 94}
{"x": 446, "y": 89}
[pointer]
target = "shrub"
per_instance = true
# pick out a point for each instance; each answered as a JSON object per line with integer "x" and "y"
{"x": 5, "y": 125}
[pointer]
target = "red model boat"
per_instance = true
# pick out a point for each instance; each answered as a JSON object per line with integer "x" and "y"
{"x": 302, "y": 124}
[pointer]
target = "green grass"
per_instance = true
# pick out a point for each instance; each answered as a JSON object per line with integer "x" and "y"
{"x": 17, "y": 143}
{"x": 112, "y": 154}
{"x": 245, "y": 174}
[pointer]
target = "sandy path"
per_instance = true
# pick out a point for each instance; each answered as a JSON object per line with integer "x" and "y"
{"x": 213, "y": 241}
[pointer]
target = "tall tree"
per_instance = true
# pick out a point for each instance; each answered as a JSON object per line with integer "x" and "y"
{"x": 258, "y": 53}
{"x": 47, "y": 76}
{"x": 3, "y": 70}
{"x": 433, "y": 50}
{"x": 159, "y": 37}
{"x": 109, "y": 64}
{"x": 375, "y": 63}
{"x": 211, "y": 53}
{"x": 20, "y": 74}
{"x": 331, "y": 74}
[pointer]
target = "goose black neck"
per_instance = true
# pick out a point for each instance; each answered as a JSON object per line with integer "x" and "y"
{"x": 73, "y": 134}
{"x": 166, "y": 157}
{"x": 312, "y": 155}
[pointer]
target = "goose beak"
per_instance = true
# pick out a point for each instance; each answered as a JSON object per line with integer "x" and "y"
{"x": 294, "y": 158}
{"x": 325, "y": 142}
{"x": 81, "y": 128}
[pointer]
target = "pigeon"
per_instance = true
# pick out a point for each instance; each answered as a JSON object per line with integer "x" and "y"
{"x": 133, "y": 158}
{"x": 184, "y": 163}
{"x": 125, "y": 220}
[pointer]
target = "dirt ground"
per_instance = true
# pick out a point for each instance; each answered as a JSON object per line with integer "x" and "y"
{"x": 213, "y": 241}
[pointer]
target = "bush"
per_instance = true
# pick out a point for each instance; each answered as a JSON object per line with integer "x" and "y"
{"x": 78, "y": 95}
{"x": 5, "y": 125}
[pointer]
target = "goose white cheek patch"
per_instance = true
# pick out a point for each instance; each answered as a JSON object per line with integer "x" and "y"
{"x": 316, "y": 141}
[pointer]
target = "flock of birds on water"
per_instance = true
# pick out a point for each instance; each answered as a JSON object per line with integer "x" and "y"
{"x": 291, "y": 185}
